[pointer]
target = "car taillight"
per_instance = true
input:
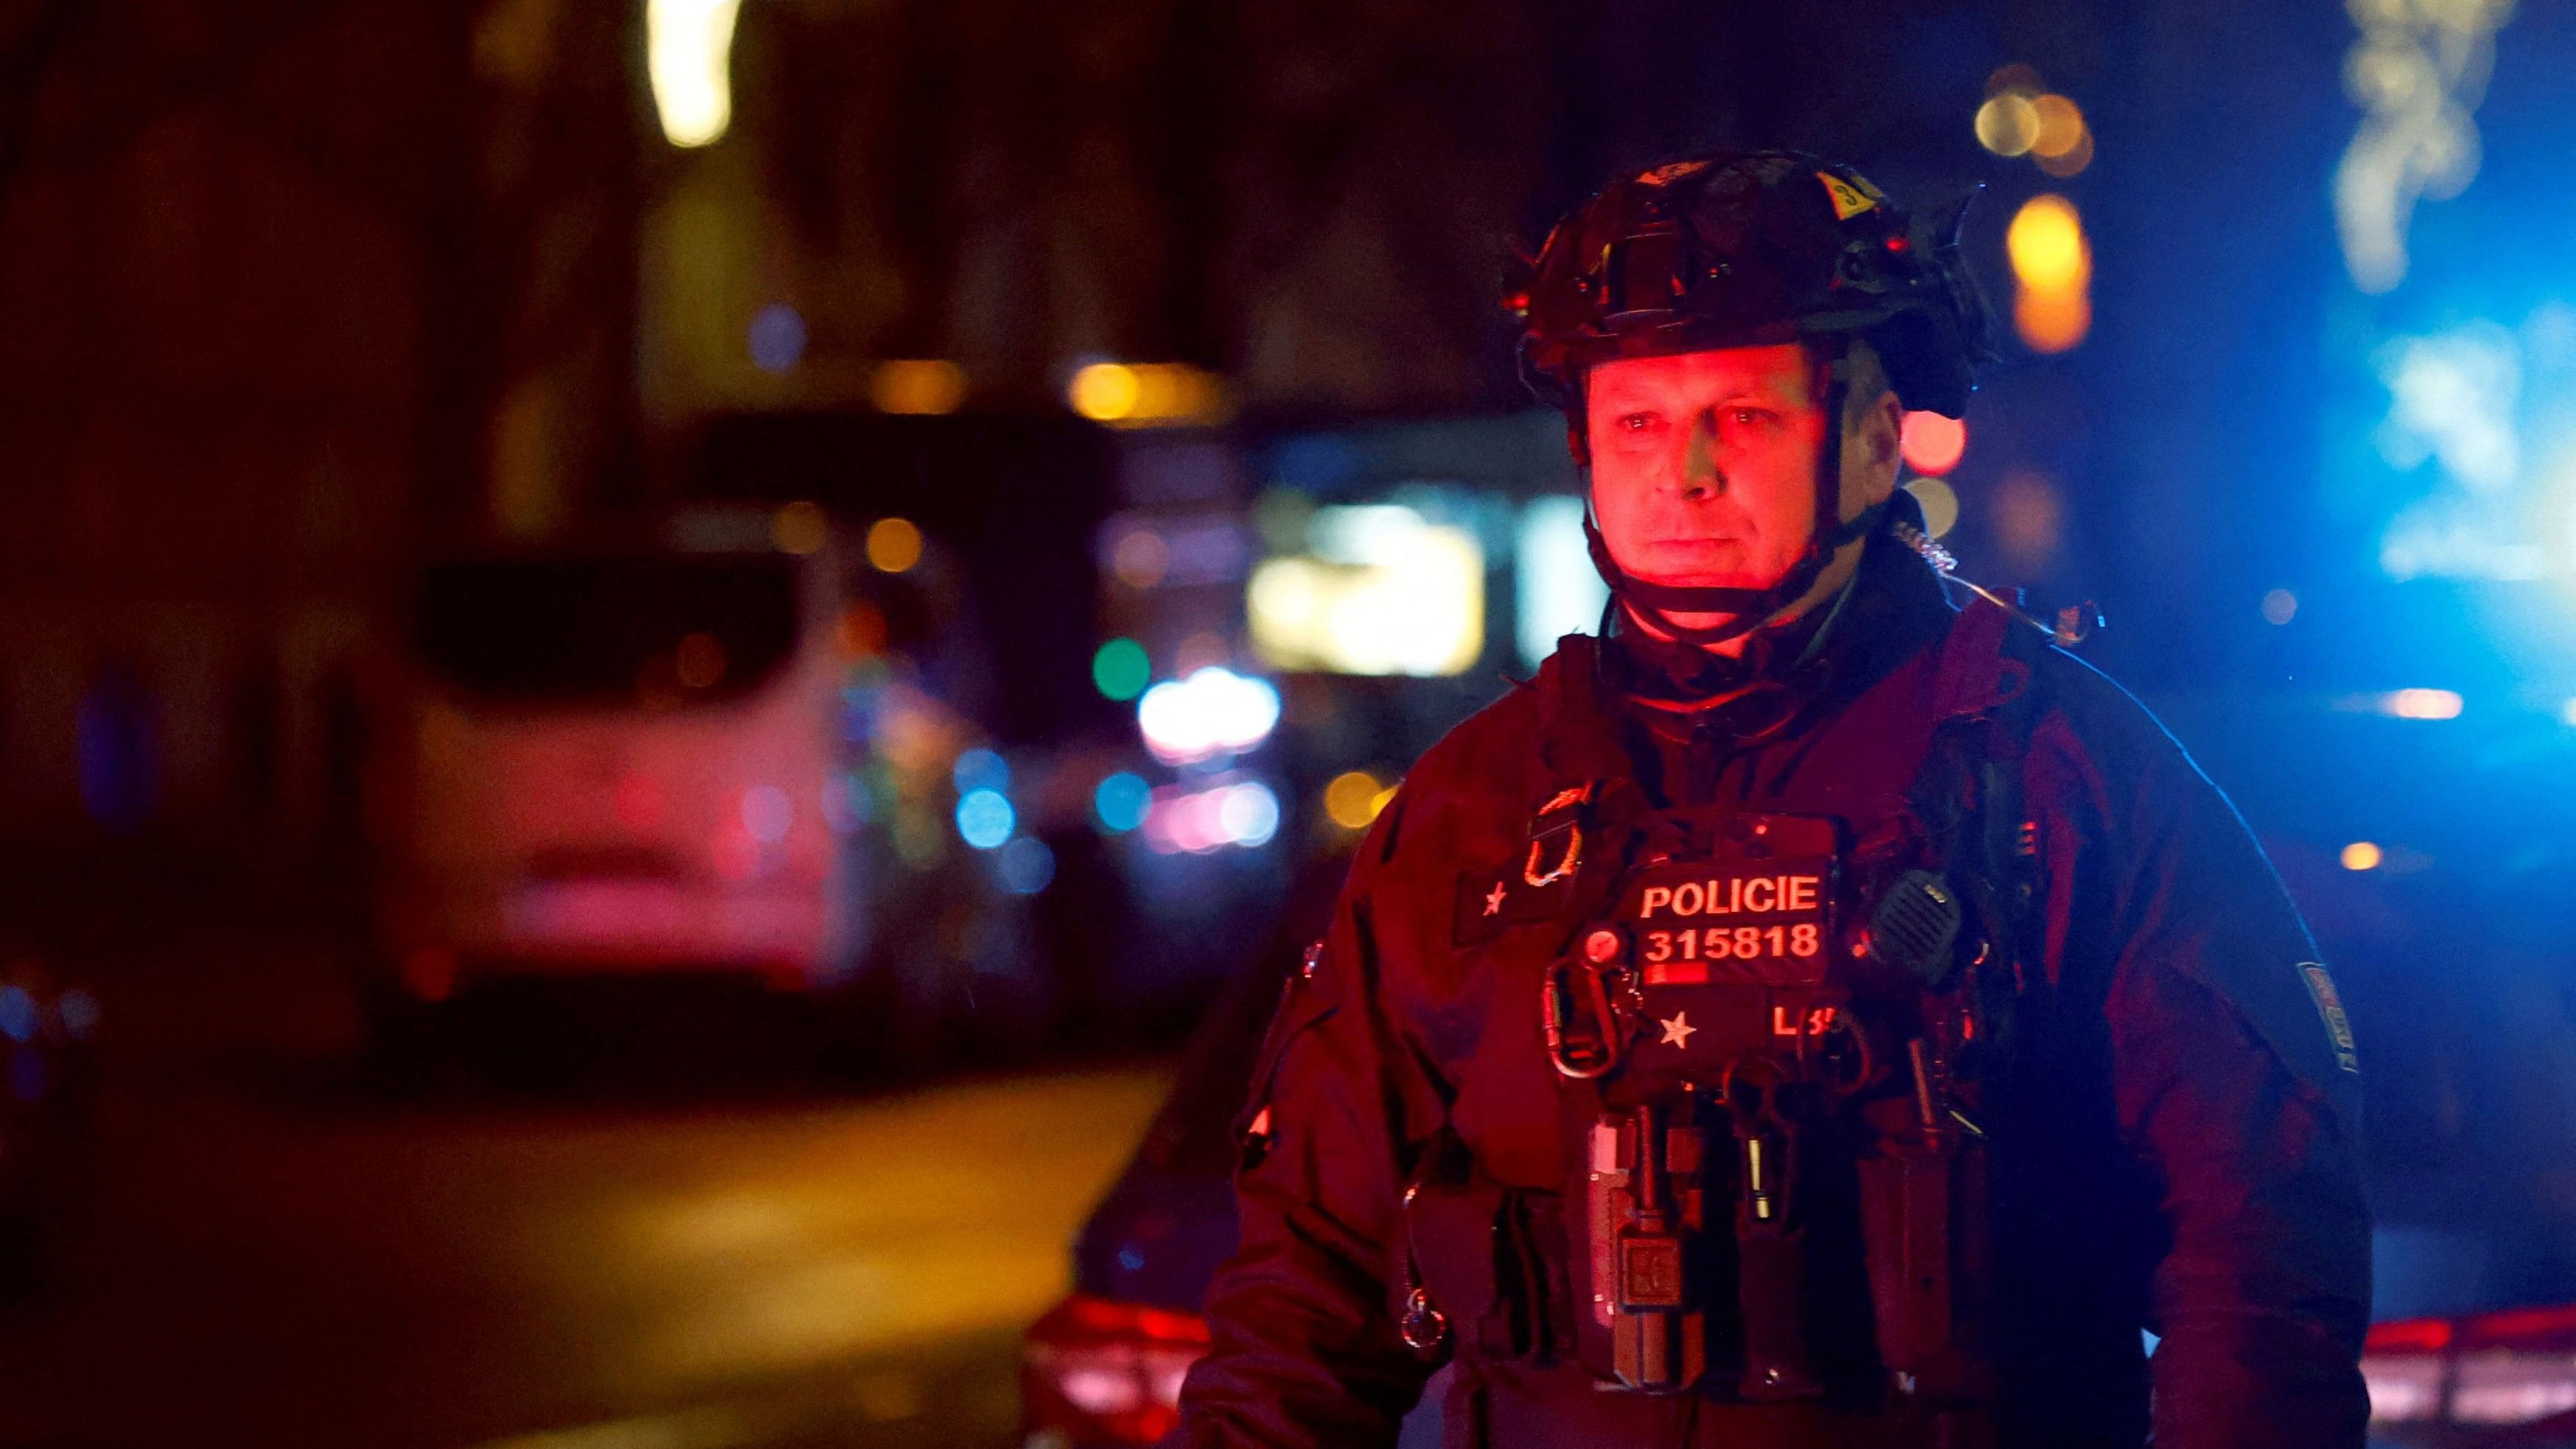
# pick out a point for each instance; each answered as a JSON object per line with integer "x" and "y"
{"x": 1098, "y": 1372}
{"x": 2490, "y": 1370}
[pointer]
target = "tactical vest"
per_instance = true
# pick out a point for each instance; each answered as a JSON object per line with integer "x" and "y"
{"x": 1781, "y": 1042}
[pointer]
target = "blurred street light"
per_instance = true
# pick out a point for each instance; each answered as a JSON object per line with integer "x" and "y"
{"x": 2053, "y": 264}
{"x": 688, "y": 48}
{"x": 894, "y": 544}
{"x": 1147, "y": 394}
{"x": 2008, "y": 124}
{"x": 924, "y": 386}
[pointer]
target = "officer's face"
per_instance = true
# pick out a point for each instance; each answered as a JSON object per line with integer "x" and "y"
{"x": 1704, "y": 463}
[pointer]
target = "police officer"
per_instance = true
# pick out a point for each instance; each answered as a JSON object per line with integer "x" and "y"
{"x": 1812, "y": 1012}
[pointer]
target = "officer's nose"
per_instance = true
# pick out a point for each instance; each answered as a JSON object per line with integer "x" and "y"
{"x": 1700, "y": 475}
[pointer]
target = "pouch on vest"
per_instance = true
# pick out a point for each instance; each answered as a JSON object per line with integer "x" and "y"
{"x": 1484, "y": 1253}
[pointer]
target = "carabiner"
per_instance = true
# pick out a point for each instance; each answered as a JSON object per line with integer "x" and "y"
{"x": 1594, "y": 1048}
{"x": 1565, "y": 865}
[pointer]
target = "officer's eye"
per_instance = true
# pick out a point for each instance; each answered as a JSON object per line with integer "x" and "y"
{"x": 1637, "y": 422}
{"x": 1750, "y": 417}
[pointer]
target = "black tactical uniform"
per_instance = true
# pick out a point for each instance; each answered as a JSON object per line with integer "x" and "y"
{"x": 1865, "y": 1058}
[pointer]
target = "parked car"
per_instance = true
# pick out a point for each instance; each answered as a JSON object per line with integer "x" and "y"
{"x": 610, "y": 760}
{"x": 1104, "y": 1367}
{"x": 2478, "y": 1347}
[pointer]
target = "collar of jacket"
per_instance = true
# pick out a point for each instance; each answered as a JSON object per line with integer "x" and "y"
{"x": 1892, "y": 606}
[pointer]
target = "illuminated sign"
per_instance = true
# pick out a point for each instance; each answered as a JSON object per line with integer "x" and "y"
{"x": 1380, "y": 590}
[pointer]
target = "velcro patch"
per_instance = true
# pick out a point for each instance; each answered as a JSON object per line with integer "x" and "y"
{"x": 1491, "y": 901}
{"x": 1749, "y": 922}
{"x": 1849, "y": 200}
{"x": 2321, "y": 988}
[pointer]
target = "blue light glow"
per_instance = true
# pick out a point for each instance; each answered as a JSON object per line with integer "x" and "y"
{"x": 1558, "y": 590}
{"x": 18, "y": 1017}
{"x": 1120, "y": 802}
{"x": 777, "y": 338}
{"x": 985, "y": 819}
{"x": 1026, "y": 866}
{"x": 1249, "y": 814}
{"x": 980, "y": 769}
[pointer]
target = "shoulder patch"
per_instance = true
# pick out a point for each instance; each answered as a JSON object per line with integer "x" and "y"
{"x": 2321, "y": 989}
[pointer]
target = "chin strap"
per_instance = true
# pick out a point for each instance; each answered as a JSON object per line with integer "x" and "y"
{"x": 1752, "y": 608}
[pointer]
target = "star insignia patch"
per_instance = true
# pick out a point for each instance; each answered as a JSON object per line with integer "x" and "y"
{"x": 1677, "y": 1029}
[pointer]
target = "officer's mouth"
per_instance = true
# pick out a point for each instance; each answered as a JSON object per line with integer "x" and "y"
{"x": 1721, "y": 563}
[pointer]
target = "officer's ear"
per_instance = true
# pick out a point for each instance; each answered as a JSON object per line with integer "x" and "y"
{"x": 1876, "y": 442}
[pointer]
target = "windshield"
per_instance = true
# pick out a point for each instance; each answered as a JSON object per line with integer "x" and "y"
{"x": 647, "y": 631}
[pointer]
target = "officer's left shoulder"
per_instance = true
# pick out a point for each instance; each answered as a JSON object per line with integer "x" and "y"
{"x": 2085, "y": 711}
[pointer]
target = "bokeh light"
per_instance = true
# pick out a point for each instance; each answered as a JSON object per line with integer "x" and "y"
{"x": 1104, "y": 392}
{"x": 979, "y": 769}
{"x": 1212, "y": 712}
{"x": 861, "y": 632}
{"x": 2047, "y": 246}
{"x": 2362, "y": 855}
{"x": 1120, "y": 800}
{"x": 777, "y": 338}
{"x": 688, "y": 54}
{"x": 1141, "y": 558}
{"x": 1026, "y": 866}
{"x": 2052, "y": 321}
{"x": 2060, "y": 126}
{"x": 1197, "y": 821}
{"x": 1146, "y": 394}
{"x": 78, "y": 1012}
{"x": 2280, "y": 606}
{"x": 985, "y": 819}
{"x": 2422, "y": 704}
{"x": 2052, "y": 263}
{"x": 2007, "y": 124}
{"x": 894, "y": 544}
{"x": 1120, "y": 669}
{"x": 1940, "y": 504}
{"x": 800, "y": 528}
{"x": 925, "y": 386}
{"x": 1933, "y": 443}
{"x": 2015, "y": 76}
{"x": 1248, "y": 814}
{"x": 2071, "y": 162}
{"x": 2029, "y": 519}
{"x": 1352, "y": 799}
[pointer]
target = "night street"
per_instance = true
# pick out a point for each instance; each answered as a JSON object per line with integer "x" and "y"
{"x": 278, "y": 1259}
{"x": 963, "y": 724}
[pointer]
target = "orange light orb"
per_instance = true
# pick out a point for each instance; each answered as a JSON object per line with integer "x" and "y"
{"x": 1932, "y": 443}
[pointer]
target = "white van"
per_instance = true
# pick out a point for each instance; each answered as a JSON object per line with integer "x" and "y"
{"x": 612, "y": 760}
